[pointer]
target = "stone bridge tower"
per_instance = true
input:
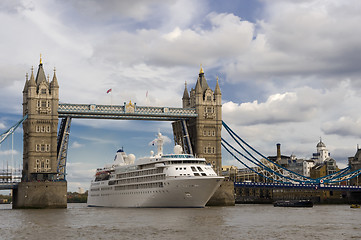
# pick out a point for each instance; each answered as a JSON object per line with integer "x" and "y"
{"x": 205, "y": 130}
{"x": 39, "y": 187}
{"x": 40, "y": 103}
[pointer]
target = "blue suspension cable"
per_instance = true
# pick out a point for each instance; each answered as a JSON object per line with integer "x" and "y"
{"x": 246, "y": 164}
{"x": 341, "y": 172}
{"x": 232, "y": 134}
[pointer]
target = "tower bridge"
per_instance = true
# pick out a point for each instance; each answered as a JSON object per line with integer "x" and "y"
{"x": 196, "y": 126}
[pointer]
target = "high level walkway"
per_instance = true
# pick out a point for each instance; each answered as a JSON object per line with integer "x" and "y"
{"x": 127, "y": 111}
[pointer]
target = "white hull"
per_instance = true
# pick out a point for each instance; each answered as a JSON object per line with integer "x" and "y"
{"x": 175, "y": 192}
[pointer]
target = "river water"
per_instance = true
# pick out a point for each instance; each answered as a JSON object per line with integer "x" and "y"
{"x": 238, "y": 222}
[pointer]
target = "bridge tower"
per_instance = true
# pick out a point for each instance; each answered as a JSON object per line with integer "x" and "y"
{"x": 38, "y": 188}
{"x": 205, "y": 130}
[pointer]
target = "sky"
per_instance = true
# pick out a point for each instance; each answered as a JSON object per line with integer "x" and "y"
{"x": 289, "y": 71}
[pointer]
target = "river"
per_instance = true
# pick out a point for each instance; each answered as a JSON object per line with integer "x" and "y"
{"x": 238, "y": 222}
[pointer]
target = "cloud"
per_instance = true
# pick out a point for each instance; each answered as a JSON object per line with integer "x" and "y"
{"x": 174, "y": 47}
{"x": 278, "y": 108}
{"x": 79, "y": 175}
{"x": 344, "y": 126}
{"x": 76, "y": 144}
{"x": 9, "y": 152}
{"x": 303, "y": 38}
{"x": 2, "y": 125}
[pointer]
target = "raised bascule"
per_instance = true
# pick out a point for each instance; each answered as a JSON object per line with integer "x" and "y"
{"x": 196, "y": 126}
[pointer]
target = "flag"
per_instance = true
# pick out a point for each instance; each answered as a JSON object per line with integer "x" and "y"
{"x": 109, "y": 90}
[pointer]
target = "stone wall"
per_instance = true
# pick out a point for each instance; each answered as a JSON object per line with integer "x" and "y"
{"x": 224, "y": 196}
{"x": 40, "y": 195}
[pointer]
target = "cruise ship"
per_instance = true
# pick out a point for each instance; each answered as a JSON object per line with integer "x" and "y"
{"x": 169, "y": 180}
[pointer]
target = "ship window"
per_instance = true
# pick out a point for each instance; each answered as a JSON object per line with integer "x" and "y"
{"x": 203, "y": 174}
{"x": 194, "y": 169}
{"x": 196, "y": 174}
{"x": 200, "y": 169}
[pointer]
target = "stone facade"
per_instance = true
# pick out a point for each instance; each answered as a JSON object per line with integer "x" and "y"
{"x": 40, "y": 103}
{"x": 40, "y": 195}
{"x": 355, "y": 164}
{"x": 205, "y": 130}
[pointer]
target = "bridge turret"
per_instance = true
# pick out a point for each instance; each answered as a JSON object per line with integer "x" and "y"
{"x": 218, "y": 94}
{"x": 31, "y": 85}
{"x": 186, "y": 99}
{"x": 54, "y": 90}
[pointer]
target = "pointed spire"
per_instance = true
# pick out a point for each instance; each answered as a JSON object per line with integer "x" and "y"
{"x": 185, "y": 94}
{"x": 198, "y": 87}
{"x": 217, "y": 90}
{"x": 54, "y": 82}
{"x": 32, "y": 81}
{"x": 26, "y": 82}
{"x": 40, "y": 76}
{"x": 41, "y": 62}
{"x": 202, "y": 80}
{"x": 201, "y": 70}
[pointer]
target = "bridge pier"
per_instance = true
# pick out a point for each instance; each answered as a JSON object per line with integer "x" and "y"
{"x": 40, "y": 195}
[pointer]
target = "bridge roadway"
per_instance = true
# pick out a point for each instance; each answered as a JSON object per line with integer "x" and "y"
{"x": 300, "y": 186}
{"x": 127, "y": 111}
{"x": 9, "y": 180}
{"x": 8, "y": 185}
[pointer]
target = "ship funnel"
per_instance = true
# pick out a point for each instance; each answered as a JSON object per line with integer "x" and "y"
{"x": 119, "y": 159}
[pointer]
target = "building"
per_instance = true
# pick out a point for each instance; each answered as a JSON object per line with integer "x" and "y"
{"x": 307, "y": 166}
{"x": 322, "y": 153}
{"x": 355, "y": 164}
{"x": 324, "y": 164}
{"x": 230, "y": 172}
{"x": 205, "y": 130}
{"x": 40, "y": 103}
